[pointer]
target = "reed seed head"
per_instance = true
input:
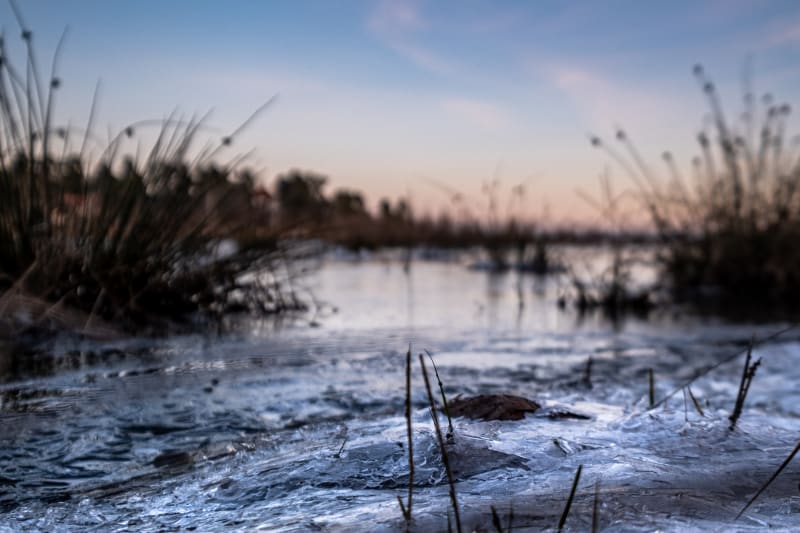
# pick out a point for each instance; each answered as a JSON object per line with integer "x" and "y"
{"x": 227, "y": 141}
{"x": 595, "y": 141}
{"x": 55, "y": 83}
{"x": 27, "y": 35}
{"x": 129, "y": 132}
{"x": 621, "y": 135}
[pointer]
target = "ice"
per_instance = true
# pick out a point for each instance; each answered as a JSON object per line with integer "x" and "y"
{"x": 304, "y": 429}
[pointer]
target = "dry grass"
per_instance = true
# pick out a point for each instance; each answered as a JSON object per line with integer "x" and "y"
{"x": 731, "y": 229}
{"x": 130, "y": 240}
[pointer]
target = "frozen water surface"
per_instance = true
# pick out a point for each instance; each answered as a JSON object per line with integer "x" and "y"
{"x": 301, "y": 427}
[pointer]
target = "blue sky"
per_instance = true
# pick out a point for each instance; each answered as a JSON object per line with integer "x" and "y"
{"x": 387, "y": 96}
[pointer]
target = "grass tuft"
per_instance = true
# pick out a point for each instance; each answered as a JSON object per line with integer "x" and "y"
{"x": 123, "y": 240}
{"x": 727, "y": 230}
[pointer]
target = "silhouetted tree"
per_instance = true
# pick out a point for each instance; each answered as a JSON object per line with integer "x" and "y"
{"x": 348, "y": 203}
{"x": 300, "y": 193}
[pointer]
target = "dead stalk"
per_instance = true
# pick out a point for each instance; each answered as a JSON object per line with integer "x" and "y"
{"x": 727, "y": 359}
{"x": 695, "y": 402}
{"x": 748, "y": 373}
{"x": 450, "y": 433}
{"x": 784, "y": 464}
{"x": 442, "y": 446}
{"x": 406, "y": 508}
{"x": 567, "y": 507}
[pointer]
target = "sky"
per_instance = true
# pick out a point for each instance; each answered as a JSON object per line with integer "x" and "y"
{"x": 423, "y": 98}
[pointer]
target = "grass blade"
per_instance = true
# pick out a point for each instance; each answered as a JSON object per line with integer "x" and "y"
{"x": 450, "y": 432}
{"x": 442, "y": 446}
{"x": 567, "y": 507}
{"x": 772, "y": 478}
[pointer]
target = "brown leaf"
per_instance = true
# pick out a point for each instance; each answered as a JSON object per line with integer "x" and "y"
{"x": 492, "y": 407}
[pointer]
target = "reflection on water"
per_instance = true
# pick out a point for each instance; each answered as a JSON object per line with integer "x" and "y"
{"x": 436, "y": 295}
{"x": 302, "y": 427}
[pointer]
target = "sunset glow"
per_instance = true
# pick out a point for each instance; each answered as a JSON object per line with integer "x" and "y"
{"x": 416, "y": 98}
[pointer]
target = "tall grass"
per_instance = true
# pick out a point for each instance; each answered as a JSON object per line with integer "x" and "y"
{"x": 732, "y": 229}
{"x": 130, "y": 240}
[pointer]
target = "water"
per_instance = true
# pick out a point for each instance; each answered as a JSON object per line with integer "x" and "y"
{"x": 300, "y": 426}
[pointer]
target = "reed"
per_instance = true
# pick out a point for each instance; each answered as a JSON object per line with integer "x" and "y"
{"x": 497, "y": 523}
{"x": 125, "y": 239}
{"x": 442, "y": 446}
{"x": 565, "y": 514}
{"x": 772, "y": 478}
{"x": 705, "y": 371}
{"x": 748, "y": 373}
{"x": 730, "y": 226}
{"x": 587, "y": 373}
{"x": 696, "y": 403}
{"x": 406, "y": 508}
{"x": 450, "y": 432}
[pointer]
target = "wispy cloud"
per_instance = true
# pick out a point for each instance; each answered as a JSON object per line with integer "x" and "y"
{"x": 787, "y": 34}
{"x": 398, "y": 25}
{"x": 605, "y": 102}
{"x": 483, "y": 114}
{"x": 423, "y": 57}
{"x": 395, "y": 17}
